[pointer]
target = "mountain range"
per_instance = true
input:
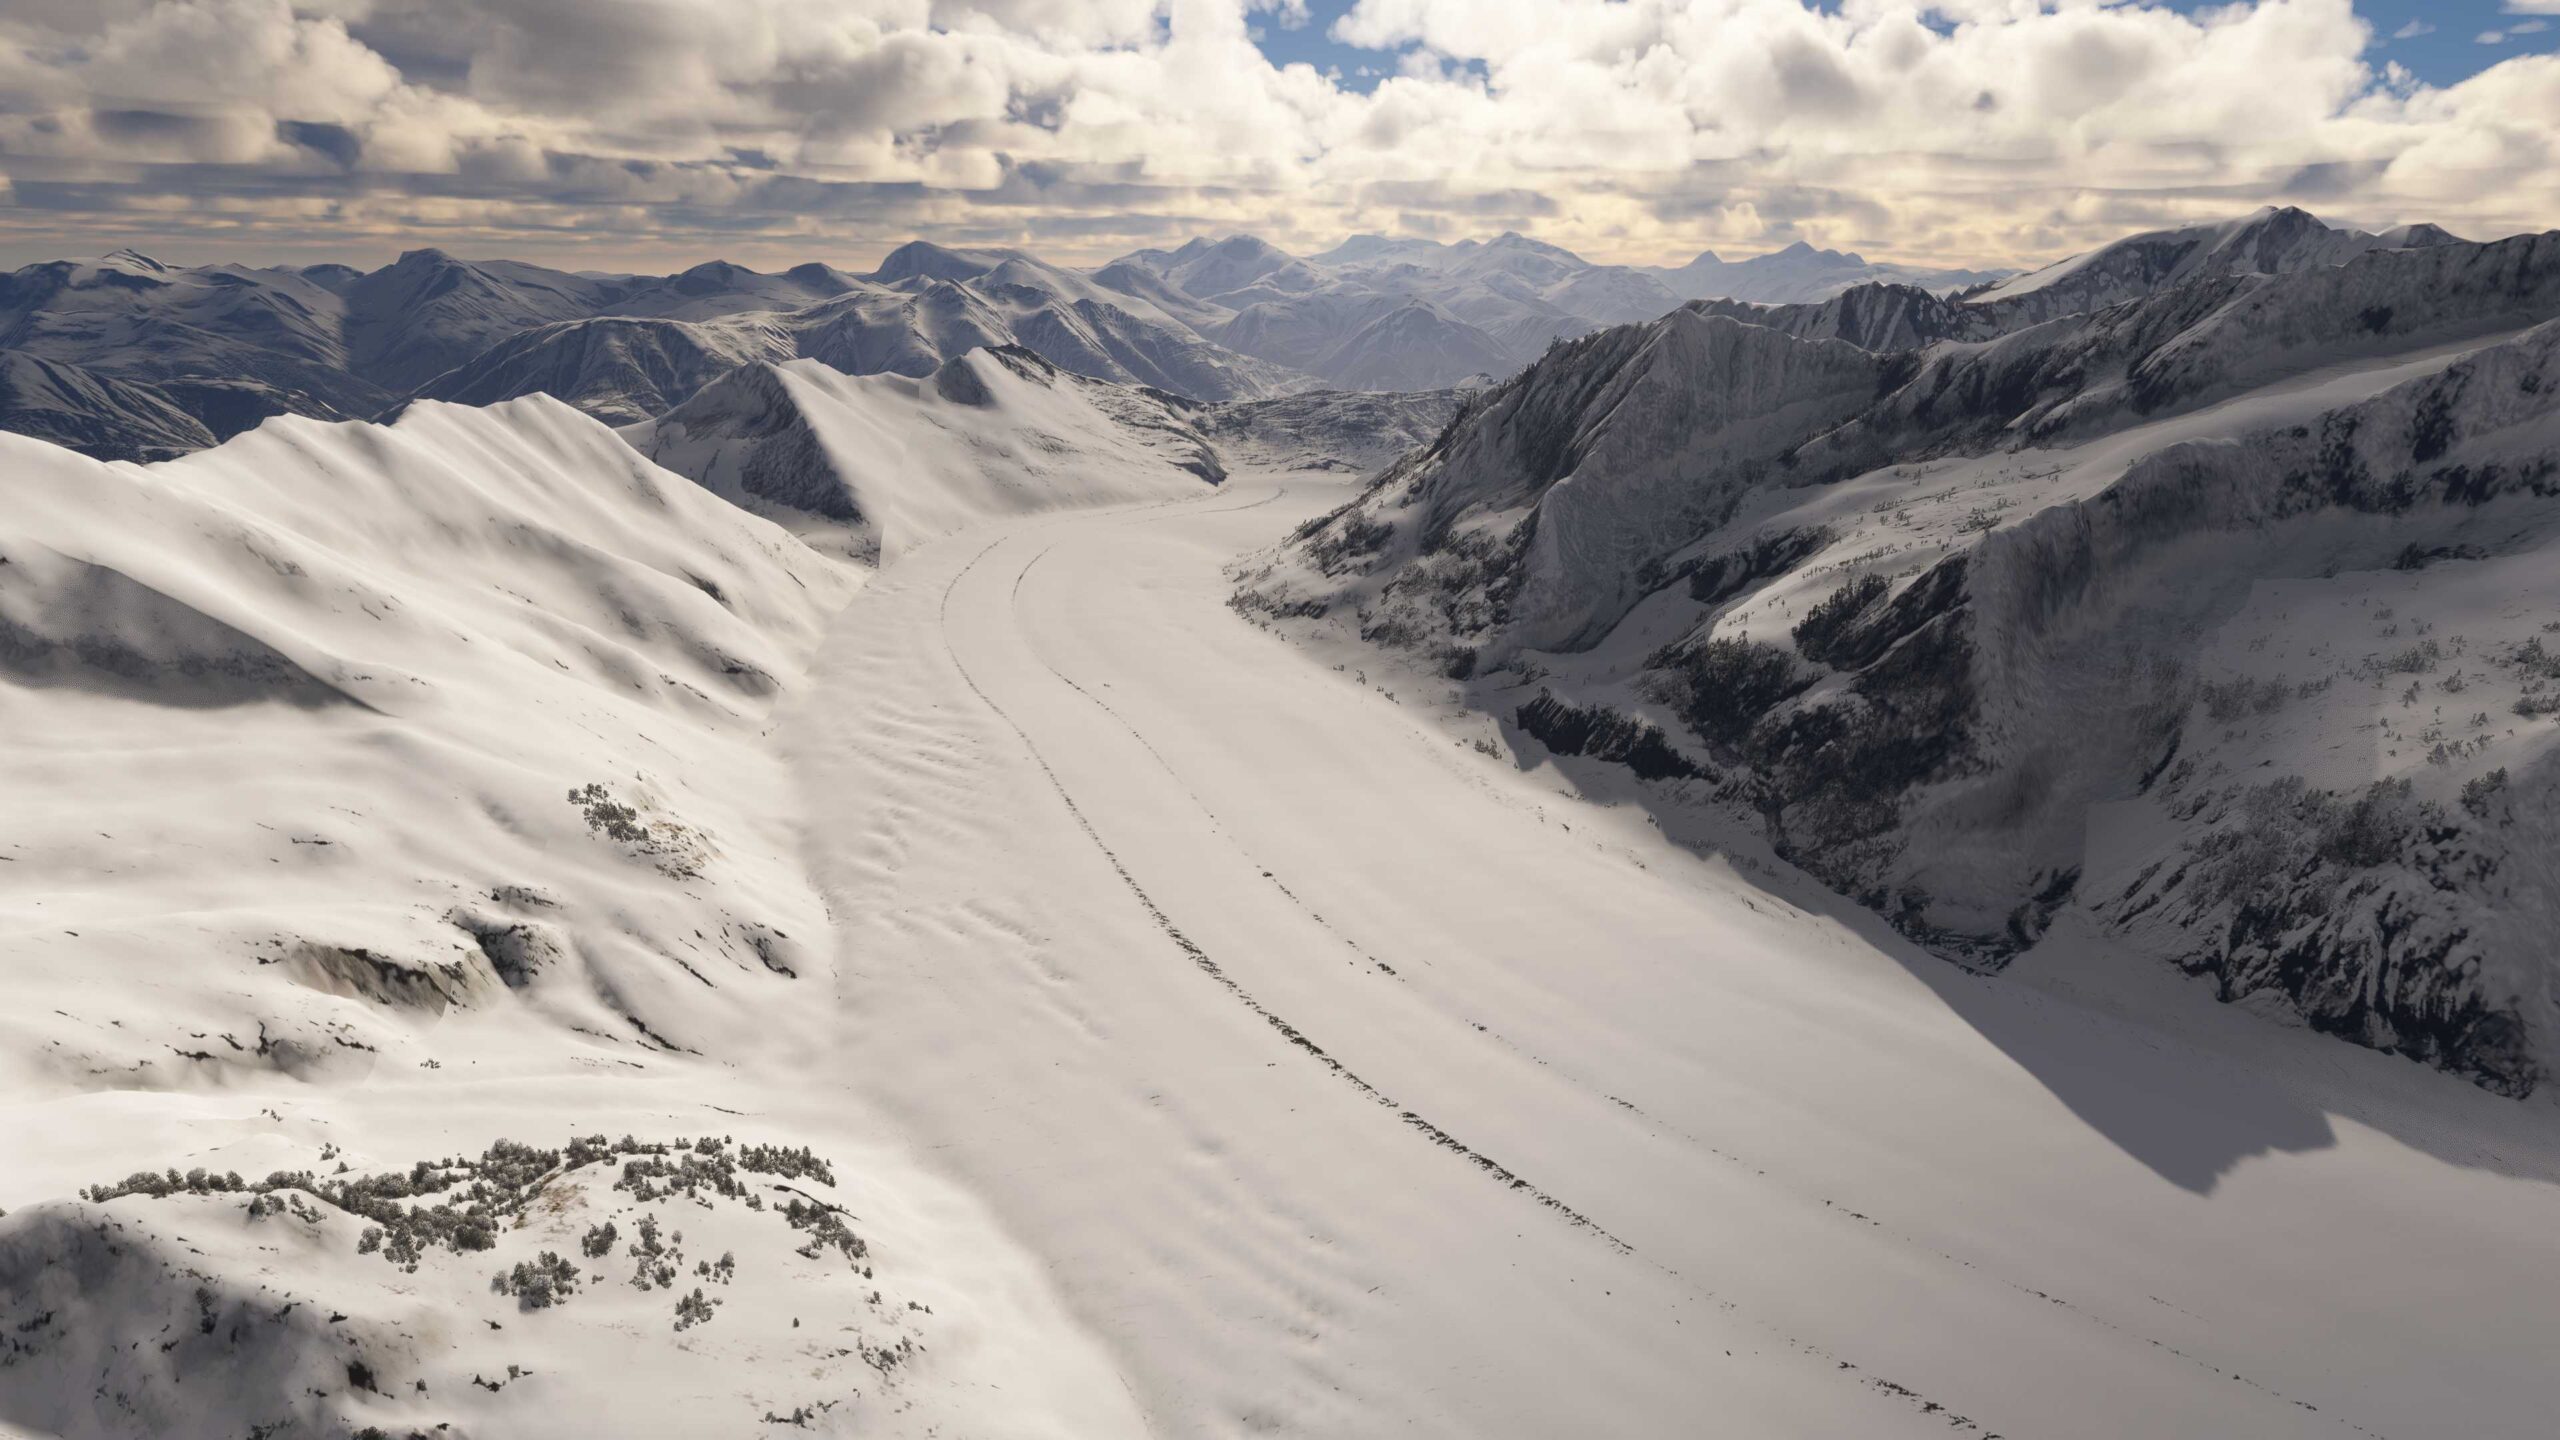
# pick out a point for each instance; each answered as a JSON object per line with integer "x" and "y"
{"x": 145, "y": 359}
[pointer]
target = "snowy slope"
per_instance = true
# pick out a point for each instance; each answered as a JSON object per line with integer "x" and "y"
{"x": 1417, "y": 345}
{"x": 1799, "y": 568}
{"x": 389, "y": 807}
{"x": 898, "y": 460}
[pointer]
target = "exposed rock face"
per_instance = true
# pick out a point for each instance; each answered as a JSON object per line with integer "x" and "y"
{"x": 2075, "y": 616}
{"x": 1872, "y": 317}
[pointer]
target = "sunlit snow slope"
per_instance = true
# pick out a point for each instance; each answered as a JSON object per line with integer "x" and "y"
{"x": 386, "y": 807}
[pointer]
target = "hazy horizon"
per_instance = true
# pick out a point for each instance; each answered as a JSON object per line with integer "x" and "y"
{"x": 183, "y": 252}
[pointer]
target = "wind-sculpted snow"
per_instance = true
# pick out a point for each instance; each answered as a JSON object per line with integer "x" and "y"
{"x": 1947, "y": 622}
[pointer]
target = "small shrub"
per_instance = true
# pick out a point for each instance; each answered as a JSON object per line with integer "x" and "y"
{"x": 692, "y": 1310}
{"x": 1825, "y": 622}
{"x": 540, "y": 1283}
{"x": 2479, "y": 794}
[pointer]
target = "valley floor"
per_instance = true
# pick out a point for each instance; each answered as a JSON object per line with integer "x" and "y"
{"x": 1350, "y": 1080}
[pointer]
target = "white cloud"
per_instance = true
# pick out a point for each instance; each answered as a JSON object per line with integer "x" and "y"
{"x": 2490, "y": 37}
{"x": 1985, "y": 130}
{"x": 2413, "y": 30}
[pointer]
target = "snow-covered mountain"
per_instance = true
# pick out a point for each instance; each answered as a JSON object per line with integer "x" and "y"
{"x": 129, "y": 317}
{"x": 2273, "y": 241}
{"x": 617, "y": 369}
{"x": 110, "y": 419}
{"x": 1889, "y": 316}
{"x": 2175, "y": 612}
{"x": 229, "y": 346}
{"x": 1803, "y": 274}
{"x": 623, "y": 370}
{"x": 1216, "y": 320}
{"x": 1498, "y": 302}
{"x": 924, "y": 306}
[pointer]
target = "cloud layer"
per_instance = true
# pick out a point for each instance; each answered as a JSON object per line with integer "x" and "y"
{"x": 638, "y": 132}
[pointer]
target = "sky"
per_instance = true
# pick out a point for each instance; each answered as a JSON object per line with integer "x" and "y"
{"x": 653, "y": 134}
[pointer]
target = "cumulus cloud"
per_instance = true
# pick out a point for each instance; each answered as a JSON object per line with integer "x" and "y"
{"x": 1961, "y": 130}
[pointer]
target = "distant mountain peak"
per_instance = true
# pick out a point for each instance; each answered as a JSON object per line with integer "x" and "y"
{"x": 926, "y": 260}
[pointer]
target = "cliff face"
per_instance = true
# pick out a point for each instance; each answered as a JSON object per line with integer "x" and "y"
{"x": 2217, "y": 615}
